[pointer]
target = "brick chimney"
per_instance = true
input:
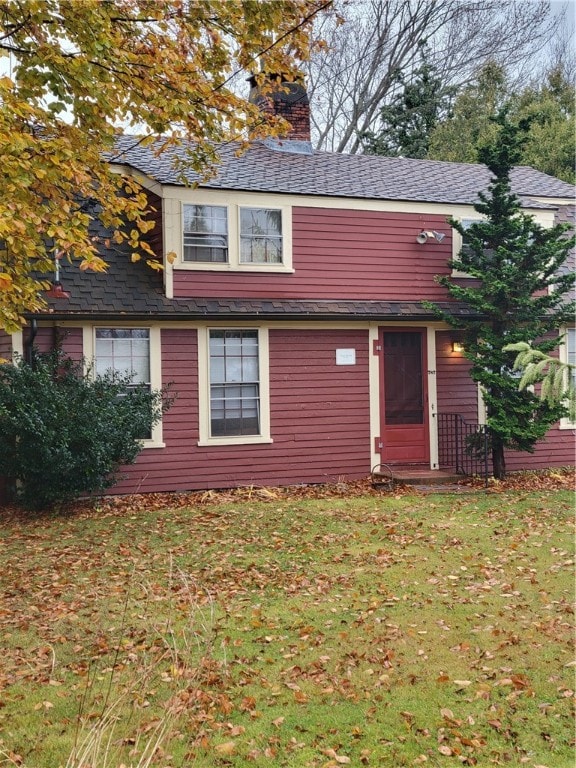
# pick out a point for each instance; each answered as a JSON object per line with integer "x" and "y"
{"x": 291, "y": 103}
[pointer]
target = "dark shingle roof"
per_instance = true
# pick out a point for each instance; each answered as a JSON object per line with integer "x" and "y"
{"x": 134, "y": 291}
{"x": 265, "y": 169}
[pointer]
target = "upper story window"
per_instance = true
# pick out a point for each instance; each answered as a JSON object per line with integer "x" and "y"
{"x": 459, "y": 244}
{"x": 235, "y": 232}
{"x": 260, "y": 236}
{"x": 205, "y": 229}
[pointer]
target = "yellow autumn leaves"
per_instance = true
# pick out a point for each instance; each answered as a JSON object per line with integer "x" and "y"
{"x": 79, "y": 73}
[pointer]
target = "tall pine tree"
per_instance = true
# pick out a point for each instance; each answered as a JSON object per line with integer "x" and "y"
{"x": 406, "y": 124}
{"x": 517, "y": 291}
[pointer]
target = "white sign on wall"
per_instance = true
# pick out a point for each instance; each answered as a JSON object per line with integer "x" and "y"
{"x": 345, "y": 357}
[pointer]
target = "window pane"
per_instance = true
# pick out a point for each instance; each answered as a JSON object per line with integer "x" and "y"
{"x": 260, "y": 236}
{"x": 217, "y": 367}
{"x": 205, "y": 233}
{"x": 233, "y": 368}
{"x": 260, "y": 221}
{"x": 124, "y": 351}
{"x": 571, "y": 342}
{"x": 571, "y": 351}
{"x": 234, "y": 385}
{"x": 260, "y": 250}
{"x": 206, "y": 219}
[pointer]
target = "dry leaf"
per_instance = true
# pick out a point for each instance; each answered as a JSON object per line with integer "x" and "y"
{"x": 226, "y": 748}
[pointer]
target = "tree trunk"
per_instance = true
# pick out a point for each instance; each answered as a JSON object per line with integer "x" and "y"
{"x": 498, "y": 460}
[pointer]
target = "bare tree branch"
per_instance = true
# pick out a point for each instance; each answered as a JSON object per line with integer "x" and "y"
{"x": 355, "y": 77}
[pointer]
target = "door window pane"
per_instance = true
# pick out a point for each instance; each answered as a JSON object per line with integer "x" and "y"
{"x": 403, "y": 384}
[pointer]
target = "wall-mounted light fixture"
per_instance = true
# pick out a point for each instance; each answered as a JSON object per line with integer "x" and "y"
{"x": 457, "y": 346}
{"x": 426, "y": 235}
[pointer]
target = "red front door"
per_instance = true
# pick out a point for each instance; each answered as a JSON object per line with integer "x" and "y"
{"x": 404, "y": 436}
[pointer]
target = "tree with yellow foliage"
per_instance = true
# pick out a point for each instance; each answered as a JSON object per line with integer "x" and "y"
{"x": 73, "y": 74}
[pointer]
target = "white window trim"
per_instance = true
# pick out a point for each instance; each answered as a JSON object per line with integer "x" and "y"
{"x": 204, "y": 389}
{"x": 89, "y": 342}
{"x": 565, "y": 422}
{"x": 233, "y": 207}
{"x": 458, "y": 243}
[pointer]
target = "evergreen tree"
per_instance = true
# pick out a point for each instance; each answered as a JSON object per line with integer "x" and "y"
{"x": 517, "y": 295}
{"x": 408, "y": 121}
{"x": 550, "y": 142}
{"x": 549, "y": 105}
{"x": 457, "y": 138}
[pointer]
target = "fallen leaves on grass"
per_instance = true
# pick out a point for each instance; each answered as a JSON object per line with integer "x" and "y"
{"x": 541, "y": 480}
{"x": 355, "y": 604}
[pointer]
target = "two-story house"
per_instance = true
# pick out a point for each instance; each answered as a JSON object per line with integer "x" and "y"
{"x": 289, "y": 318}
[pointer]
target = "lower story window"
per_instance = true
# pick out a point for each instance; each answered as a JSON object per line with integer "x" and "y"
{"x": 234, "y": 383}
{"x": 125, "y": 351}
{"x": 571, "y": 351}
{"x": 568, "y": 355}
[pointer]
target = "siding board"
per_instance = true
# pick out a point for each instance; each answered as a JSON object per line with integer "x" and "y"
{"x": 556, "y": 450}
{"x": 319, "y": 419}
{"x": 340, "y": 254}
{"x": 456, "y": 392}
{"x": 5, "y": 346}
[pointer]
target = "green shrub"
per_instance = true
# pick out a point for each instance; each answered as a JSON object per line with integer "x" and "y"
{"x": 64, "y": 432}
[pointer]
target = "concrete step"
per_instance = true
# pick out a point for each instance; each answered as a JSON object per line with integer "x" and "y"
{"x": 413, "y": 475}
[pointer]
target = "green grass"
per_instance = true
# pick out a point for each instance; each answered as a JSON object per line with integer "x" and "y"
{"x": 374, "y": 631}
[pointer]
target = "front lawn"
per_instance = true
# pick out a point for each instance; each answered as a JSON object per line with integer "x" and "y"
{"x": 383, "y": 630}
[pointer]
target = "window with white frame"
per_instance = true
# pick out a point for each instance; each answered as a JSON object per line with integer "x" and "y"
{"x": 128, "y": 351}
{"x": 233, "y": 236}
{"x": 125, "y": 351}
{"x": 568, "y": 355}
{"x": 234, "y": 383}
{"x": 260, "y": 236}
{"x": 233, "y": 386}
{"x": 205, "y": 229}
{"x": 459, "y": 245}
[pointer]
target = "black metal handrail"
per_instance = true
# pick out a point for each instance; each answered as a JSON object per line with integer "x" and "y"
{"x": 463, "y": 446}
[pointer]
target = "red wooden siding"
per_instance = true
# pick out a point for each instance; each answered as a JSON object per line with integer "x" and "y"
{"x": 319, "y": 419}
{"x": 342, "y": 254}
{"x": 456, "y": 392}
{"x": 154, "y": 236}
{"x": 5, "y": 346}
{"x": 556, "y": 450}
{"x": 48, "y": 337}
